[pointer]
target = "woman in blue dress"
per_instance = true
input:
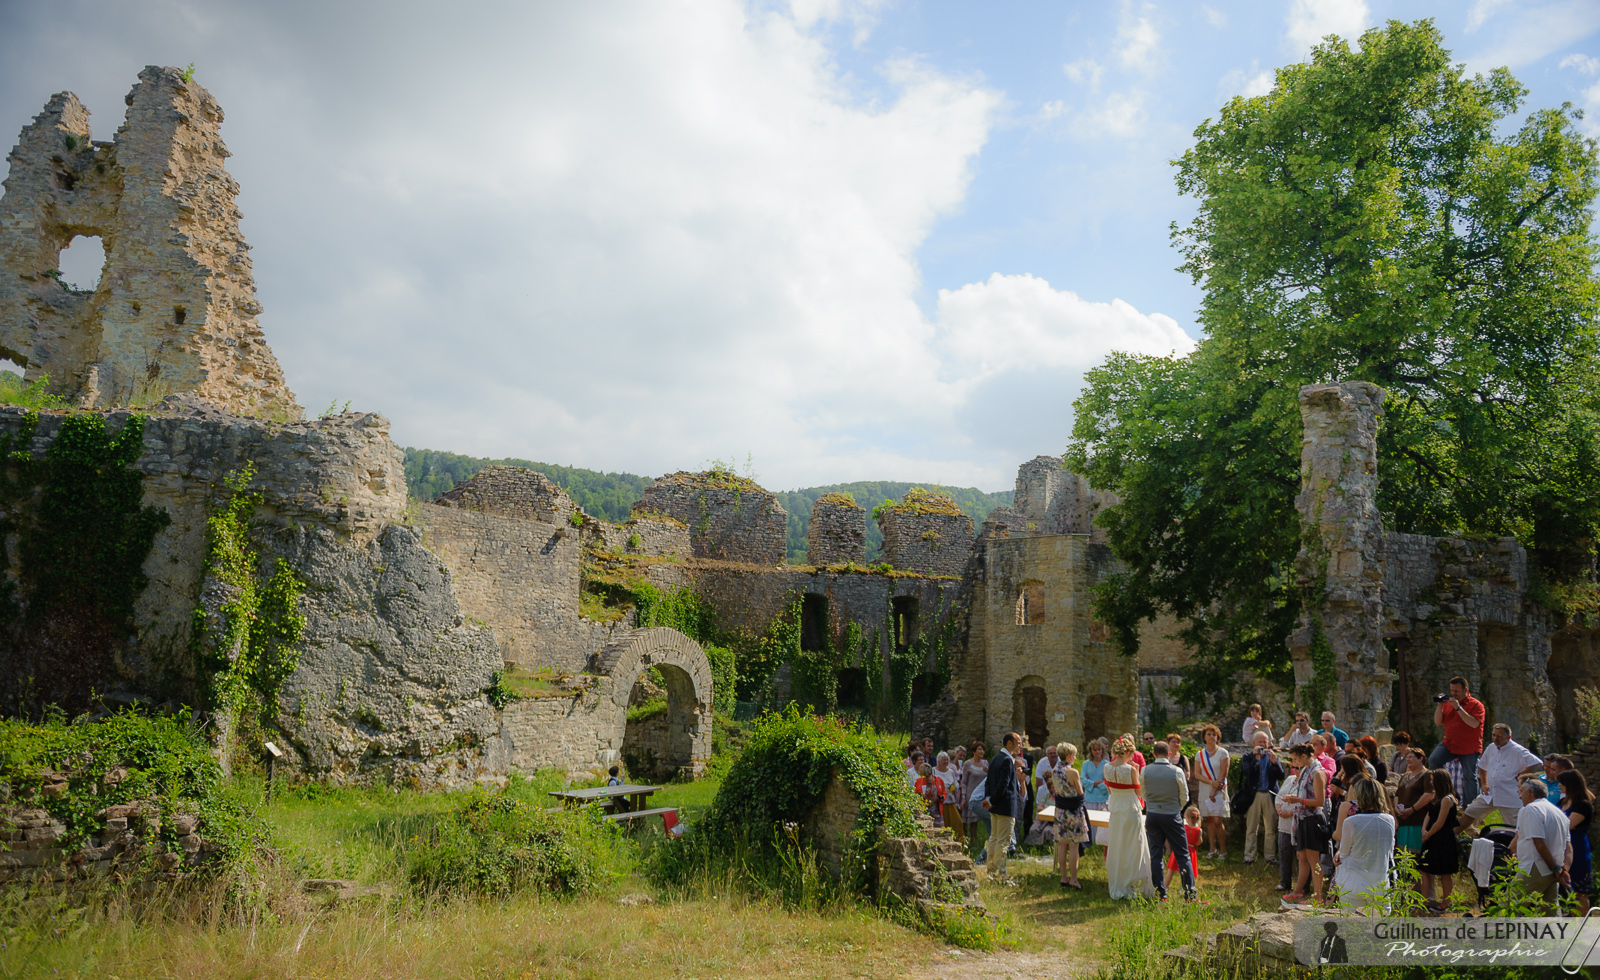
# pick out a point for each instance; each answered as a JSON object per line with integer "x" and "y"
{"x": 1096, "y": 795}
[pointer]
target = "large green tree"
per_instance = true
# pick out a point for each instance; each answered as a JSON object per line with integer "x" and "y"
{"x": 1376, "y": 217}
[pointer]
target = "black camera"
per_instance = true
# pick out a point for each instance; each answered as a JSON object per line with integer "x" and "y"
{"x": 1441, "y": 698}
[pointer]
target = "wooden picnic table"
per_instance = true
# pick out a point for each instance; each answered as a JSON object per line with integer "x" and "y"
{"x": 607, "y": 795}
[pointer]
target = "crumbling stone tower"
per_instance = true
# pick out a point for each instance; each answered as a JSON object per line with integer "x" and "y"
{"x": 837, "y": 533}
{"x": 925, "y": 532}
{"x": 1341, "y": 559}
{"x": 729, "y": 517}
{"x": 175, "y": 309}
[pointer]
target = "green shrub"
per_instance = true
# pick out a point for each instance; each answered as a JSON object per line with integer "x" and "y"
{"x": 496, "y": 844}
{"x": 777, "y": 780}
{"x": 158, "y": 758}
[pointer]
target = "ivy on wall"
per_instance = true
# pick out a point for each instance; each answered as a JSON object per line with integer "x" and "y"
{"x": 258, "y": 645}
{"x": 74, "y": 527}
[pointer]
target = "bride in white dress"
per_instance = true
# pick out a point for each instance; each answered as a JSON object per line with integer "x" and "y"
{"x": 1127, "y": 851}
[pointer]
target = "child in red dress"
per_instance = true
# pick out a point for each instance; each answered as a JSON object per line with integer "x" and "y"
{"x": 1191, "y": 830}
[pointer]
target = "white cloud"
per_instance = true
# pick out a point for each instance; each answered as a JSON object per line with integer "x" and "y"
{"x": 1121, "y": 114}
{"x": 1481, "y": 11}
{"x": 1583, "y": 63}
{"x": 1136, "y": 43}
{"x": 1021, "y": 323}
{"x": 1213, "y": 16}
{"x": 1016, "y": 350}
{"x": 1054, "y": 109}
{"x": 1309, "y": 21}
{"x": 1085, "y": 71}
{"x": 1591, "y": 110}
{"x": 1535, "y": 32}
{"x": 1241, "y": 82}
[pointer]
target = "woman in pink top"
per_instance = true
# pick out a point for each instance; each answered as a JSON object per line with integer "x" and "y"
{"x": 1319, "y": 748}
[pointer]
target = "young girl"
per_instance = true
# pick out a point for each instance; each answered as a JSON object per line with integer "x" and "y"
{"x": 931, "y": 788}
{"x": 1441, "y": 857}
{"x": 1191, "y": 830}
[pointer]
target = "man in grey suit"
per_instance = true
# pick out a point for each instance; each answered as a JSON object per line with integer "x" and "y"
{"x": 1166, "y": 792}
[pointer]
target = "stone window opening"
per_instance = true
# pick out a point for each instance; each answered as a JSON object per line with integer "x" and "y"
{"x": 1030, "y": 605}
{"x": 179, "y": 314}
{"x": 814, "y": 622}
{"x": 852, "y": 688}
{"x": 925, "y": 689}
{"x": 903, "y": 609}
{"x": 81, "y": 263}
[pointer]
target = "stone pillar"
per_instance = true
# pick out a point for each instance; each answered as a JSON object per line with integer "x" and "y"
{"x": 1340, "y": 565}
{"x": 837, "y": 533}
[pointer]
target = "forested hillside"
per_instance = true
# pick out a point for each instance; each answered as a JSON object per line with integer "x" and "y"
{"x": 430, "y": 472}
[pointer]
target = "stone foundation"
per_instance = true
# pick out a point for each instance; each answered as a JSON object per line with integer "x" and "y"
{"x": 126, "y": 841}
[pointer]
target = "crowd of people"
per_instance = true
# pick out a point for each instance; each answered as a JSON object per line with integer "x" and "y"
{"x": 1321, "y": 805}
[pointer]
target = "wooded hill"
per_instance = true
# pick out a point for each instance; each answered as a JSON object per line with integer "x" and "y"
{"x": 430, "y": 472}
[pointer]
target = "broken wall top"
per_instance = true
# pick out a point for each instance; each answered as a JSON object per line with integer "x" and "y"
{"x": 175, "y": 309}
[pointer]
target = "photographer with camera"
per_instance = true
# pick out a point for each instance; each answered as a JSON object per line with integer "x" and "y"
{"x": 1462, "y": 716}
{"x": 1260, "y": 773}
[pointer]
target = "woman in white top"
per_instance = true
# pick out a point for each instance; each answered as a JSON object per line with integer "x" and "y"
{"x": 1127, "y": 850}
{"x": 1211, "y": 772}
{"x": 1365, "y": 835}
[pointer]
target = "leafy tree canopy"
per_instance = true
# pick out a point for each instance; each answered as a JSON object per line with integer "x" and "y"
{"x": 1370, "y": 218}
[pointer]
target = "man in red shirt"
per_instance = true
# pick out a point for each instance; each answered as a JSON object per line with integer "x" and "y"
{"x": 1462, "y": 717}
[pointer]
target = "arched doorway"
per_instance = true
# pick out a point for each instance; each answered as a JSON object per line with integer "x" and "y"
{"x": 1029, "y": 706}
{"x": 671, "y": 739}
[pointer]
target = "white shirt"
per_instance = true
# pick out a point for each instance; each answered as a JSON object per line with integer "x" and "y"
{"x": 1543, "y": 820}
{"x": 1042, "y": 770}
{"x": 1250, "y": 726}
{"x": 1503, "y": 765}
{"x": 1296, "y": 737}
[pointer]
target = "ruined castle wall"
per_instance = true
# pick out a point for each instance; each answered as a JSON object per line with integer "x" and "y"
{"x": 1459, "y": 606}
{"x": 837, "y": 533}
{"x": 175, "y": 309}
{"x": 512, "y": 491}
{"x": 729, "y": 519}
{"x": 926, "y": 543}
{"x": 646, "y": 534}
{"x": 523, "y": 578}
{"x": 750, "y": 598}
{"x": 1344, "y": 561}
{"x": 1047, "y": 643}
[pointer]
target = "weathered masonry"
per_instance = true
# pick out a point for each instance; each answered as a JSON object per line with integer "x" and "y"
{"x": 175, "y": 309}
{"x": 1401, "y": 613}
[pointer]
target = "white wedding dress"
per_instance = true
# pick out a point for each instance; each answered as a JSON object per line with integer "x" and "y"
{"x": 1127, "y": 851}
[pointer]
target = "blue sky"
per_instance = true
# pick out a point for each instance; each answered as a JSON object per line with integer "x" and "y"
{"x": 851, "y": 240}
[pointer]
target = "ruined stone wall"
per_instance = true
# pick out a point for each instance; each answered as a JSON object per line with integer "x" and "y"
{"x": 1459, "y": 606}
{"x": 341, "y": 476}
{"x": 837, "y": 533}
{"x": 750, "y": 598}
{"x": 512, "y": 491}
{"x": 1343, "y": 560}
{"x": 175, "y": 309}
{"x": 126, "y": 840}
{"x": 931, "y": 537}
{"x": 646, "y": 534}
{"x": 1052, "y": 646}
{"x": 521, "y": 577}
{"x": 729, "y": 518}
{"x": 1050, "y": 499}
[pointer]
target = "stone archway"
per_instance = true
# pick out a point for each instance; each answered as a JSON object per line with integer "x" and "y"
{"x": 1029, "y": 710}
{"x": 676, "y": 742}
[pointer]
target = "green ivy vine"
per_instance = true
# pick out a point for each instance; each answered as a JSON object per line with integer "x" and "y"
{"x": 259, "y": 646}
{"x": 77, "y": 532}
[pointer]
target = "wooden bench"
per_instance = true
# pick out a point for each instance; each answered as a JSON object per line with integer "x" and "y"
{"x": 636, "y": 814}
